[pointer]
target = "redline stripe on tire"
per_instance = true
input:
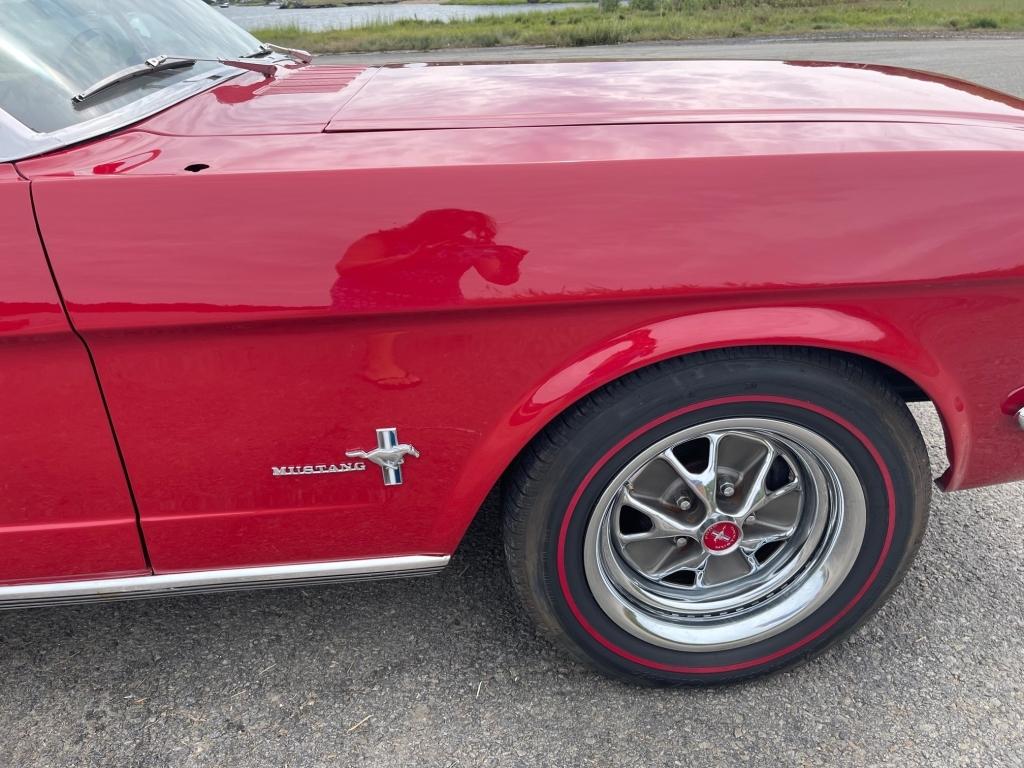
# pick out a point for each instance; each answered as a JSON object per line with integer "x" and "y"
{"x": 890, "y": 491}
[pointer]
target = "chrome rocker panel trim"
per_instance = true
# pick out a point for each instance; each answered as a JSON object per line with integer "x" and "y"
{"x": 263, "y": 577}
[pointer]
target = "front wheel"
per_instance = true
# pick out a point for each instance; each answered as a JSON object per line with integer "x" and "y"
{"x": 718, "y": 517}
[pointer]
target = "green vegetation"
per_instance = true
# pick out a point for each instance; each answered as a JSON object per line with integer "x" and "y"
{"x": 508, "y": 2}
{"x": 330, "y": 3}
{"x": 311, "y": 3}
{"x": 334, "y": 3}
{"x": 663, "y": 20}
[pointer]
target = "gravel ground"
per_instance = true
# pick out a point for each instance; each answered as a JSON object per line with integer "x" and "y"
{"x": 446, "y": 672}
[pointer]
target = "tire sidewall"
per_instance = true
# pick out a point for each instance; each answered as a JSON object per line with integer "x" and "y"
{"x": 847, "y": 416}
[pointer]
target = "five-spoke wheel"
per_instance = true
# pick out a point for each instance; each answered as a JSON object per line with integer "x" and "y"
{"x": 719, "y": 516}
{"x": 719, "y": 521}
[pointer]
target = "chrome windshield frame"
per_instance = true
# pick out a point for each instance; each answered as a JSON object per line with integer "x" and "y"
{"x": 19, "y": 142}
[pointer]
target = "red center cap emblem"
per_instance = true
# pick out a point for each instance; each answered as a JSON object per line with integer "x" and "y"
{"x": 721, "y": 536}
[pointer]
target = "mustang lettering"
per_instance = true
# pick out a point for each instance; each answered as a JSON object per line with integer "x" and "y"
{"x": 318, "y": 469}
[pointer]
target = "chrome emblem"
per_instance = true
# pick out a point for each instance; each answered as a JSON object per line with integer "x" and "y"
{"x": 722, "y": 537}
{"x": 319, "y": 469}
{"x": 389, "y": 455}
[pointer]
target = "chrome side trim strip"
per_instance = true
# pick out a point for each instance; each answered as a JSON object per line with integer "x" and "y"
{"x": 34, "y": 595}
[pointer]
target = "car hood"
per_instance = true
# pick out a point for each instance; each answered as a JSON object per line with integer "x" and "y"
{"x": 423, "y": 97}
{"x": 296, "y": 100}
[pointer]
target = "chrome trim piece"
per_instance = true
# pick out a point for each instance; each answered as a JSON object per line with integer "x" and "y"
{"x": 389, "y": 455}
{"x": 263, "y": 577}
{"x": 1020, "y": 418}
{"x": 820, "y": 537}
{"x": 301, "y": 56}
{"x": 318, "y": 469}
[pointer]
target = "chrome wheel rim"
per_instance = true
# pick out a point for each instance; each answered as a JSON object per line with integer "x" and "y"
{"x": 724, "y": 534}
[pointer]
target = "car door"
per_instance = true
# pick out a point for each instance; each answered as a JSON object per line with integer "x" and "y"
{"x": 65, "y": 508}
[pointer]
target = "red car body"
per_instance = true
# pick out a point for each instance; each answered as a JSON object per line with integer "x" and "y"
{"x": 268, "y": 272}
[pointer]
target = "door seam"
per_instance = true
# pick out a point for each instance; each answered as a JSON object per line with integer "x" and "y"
{"x": 96, "y": 377}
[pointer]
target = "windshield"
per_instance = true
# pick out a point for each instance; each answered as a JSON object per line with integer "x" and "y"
{"x": 51, "y": 50}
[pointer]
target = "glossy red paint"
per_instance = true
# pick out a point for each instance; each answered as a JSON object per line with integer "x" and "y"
{"x": 66, "y": 510}
{"x": 603, "y": 93}
{"x": 1014, "y": 401}
{"x": 297, "y": 101}
{"x": 467, "y": 284}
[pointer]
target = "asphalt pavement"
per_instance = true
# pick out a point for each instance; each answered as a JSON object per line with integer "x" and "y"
{"x": 446, "y": 671}
{"x": 993, "y": 61}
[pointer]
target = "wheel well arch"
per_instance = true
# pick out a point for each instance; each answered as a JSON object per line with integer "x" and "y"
{"x": 894, "y": 354}
{"x": 904, "y": 385}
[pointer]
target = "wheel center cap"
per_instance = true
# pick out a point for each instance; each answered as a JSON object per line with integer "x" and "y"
{"x": 721, "y": 536}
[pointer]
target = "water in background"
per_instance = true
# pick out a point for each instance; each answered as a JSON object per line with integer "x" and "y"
{"x": 252, "y": 17}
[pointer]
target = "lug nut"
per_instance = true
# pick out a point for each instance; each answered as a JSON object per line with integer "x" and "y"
{"x": 684, "y": 503}
{"x": 728, "y": 489}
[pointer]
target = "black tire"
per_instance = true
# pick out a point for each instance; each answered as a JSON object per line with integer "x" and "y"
{"x": 551, "y": 495}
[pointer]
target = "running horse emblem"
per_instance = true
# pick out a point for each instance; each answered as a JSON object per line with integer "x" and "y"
{"x": 389, "y": 455}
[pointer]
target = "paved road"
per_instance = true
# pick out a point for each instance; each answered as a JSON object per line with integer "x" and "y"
{"x": 998, "y": 63}
{"x": 446, "y": 672}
